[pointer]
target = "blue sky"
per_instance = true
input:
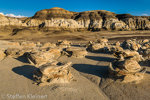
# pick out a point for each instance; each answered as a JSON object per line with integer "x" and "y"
{"x": 30, "y": 7}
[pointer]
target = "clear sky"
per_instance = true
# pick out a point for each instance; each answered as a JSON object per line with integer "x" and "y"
{"x": 30, "y": 7}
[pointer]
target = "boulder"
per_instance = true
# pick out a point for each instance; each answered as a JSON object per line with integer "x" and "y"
{"x": 13, "y": 43}
{"x": 96, "y": 47}
{"x": 55, "y": 51}
{"x": 127, "y": 71}
{"x": 122, "y": 55}
{"x": 19, "y": 51}
{"x": 49, "y": 74}
{"x": 40, "y": 58}
{"x": 77, "y": 52}
{"x": 28, "y": 43}
{"x": 2, "y": 55}
{"x": 64, "y": 43}
{"x": 48, "y": 44}
{"x": 117, "y": 43}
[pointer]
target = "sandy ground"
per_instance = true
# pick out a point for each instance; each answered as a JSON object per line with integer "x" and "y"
{"x": 91, "y": 72}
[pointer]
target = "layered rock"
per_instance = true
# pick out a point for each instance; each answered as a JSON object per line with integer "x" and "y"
{"x": 2, "y": 54}
{"x": 8, "y": 21}
{"x": 59, "y": 19}
{"x": 3, "y": 20}
{"x": 76, "y": 52}
{"x": 137, "y": 23}
{"x": 40, "y": 58}
{"x": 19, "y": 51}
{"x": 64, "y": 43}
{"x": 115, "y": 24}
{"x": 53, "y": 73}
{"x": 122, "y": 55}
{"x": 127, "y": 71}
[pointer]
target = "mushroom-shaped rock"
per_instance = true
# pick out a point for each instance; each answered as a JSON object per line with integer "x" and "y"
{"x": 128, "y": 71}
{"x": 49, "y": 73}
{"x": 130, "y": 65}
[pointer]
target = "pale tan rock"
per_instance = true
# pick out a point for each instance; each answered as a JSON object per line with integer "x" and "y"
{"x": 48, "y": 44}
{"x": 147, "y": 45}
{"x": 38, "y": 43}
{"x": 13, "y": 43}
{"x": 77, "y": 52}
{"x": 132, "y": 78}
{"x": 3, "y": 20}
{"x": 16, "y": 22}
{"x": 102, "y": 40}
{"x": 115, "y": 24}
{"x": 12, "y": 51}
{"x": 96, "y": 47}
{"x": 49, "y": 74}
{"x": 145, "y": 41}
{"x": 129, "y": 44}
{"x": 134, "y": 46}
{"x": 40, "y": 58}
{"x": 131, "y": 65}
{"x": 128, "y": 71}
{"x": 137, "y": 23}
{"x": 28, "y": 43}
{"x": 2, "y": 55}
{"x": 19, "y": 51}
{"x": 89, "y": 44}
{"x": 127, "y": 53}
{"x": 117, "y": 43}
{"x": 55, "y": 51}
{"x": 115, "y": 49}
{"x": 64, "y": 43}
{"x": 144, "y": 48}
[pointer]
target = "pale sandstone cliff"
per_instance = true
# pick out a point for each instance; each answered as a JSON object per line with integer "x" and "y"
{"x": 55, "y": 18}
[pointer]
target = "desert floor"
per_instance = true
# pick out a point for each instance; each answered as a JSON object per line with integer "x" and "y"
{"x": 91, "y": 72}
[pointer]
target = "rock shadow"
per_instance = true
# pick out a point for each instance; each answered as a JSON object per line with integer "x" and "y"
{"x": 101, "y": 71}
{"x": 26, "y": 71}
{"x": 22, "y": 59}
{"x": 97, "y": 58}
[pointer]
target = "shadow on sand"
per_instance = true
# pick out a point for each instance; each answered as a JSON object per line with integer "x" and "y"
{"x": 100, "y": 58}
{"x": 22, "y": 59}
{"x": 101, "y": 71}
{"x": 26, "y": 71}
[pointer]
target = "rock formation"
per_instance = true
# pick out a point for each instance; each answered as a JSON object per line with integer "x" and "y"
{"x": 77, "y": 52}
{"x": 19, "y": 51}
{"x": 126, "y": 68}
{"x": 40, "y": 58}
{"x": 2, "y": 54}
{"x": 51, "y": 73}
{"x": 64, "y": 43}
{"x": 127, "y": 71}
{"x": 60, "y": 19}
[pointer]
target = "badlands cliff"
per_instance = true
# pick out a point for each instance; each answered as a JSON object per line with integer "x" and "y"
{"x": 61, "y": 19}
